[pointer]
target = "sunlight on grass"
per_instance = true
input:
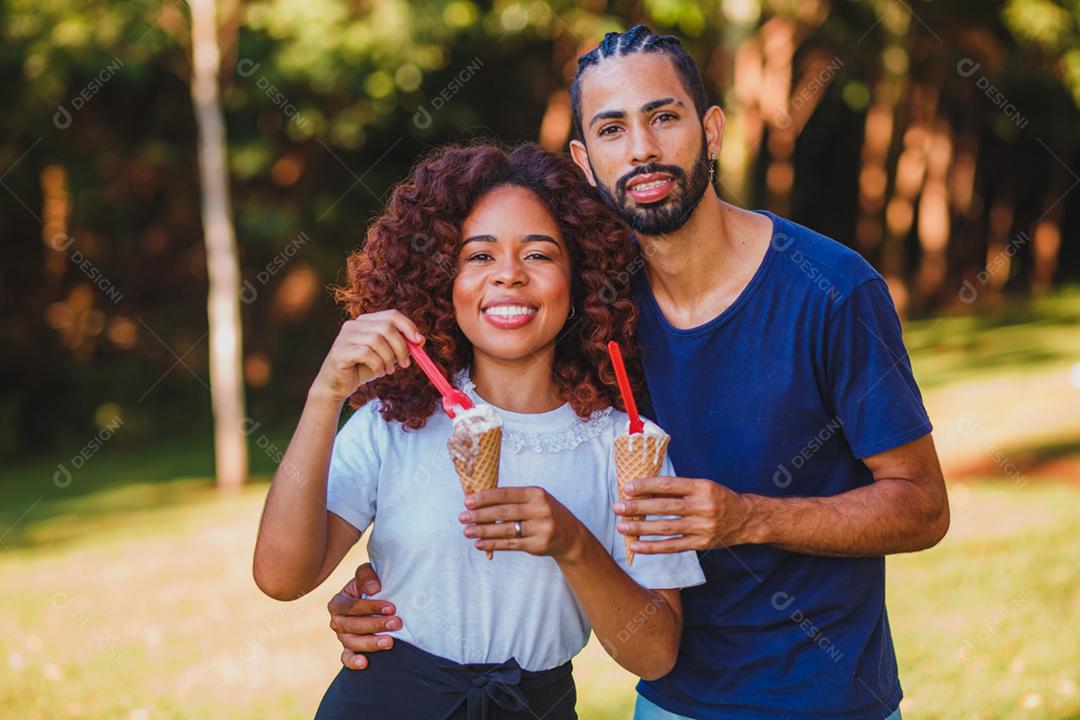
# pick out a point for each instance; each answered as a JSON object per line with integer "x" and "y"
{"x": 1022, "y": 339}
{"x": 982, "y": 623}
{"x": 157, "y": 612}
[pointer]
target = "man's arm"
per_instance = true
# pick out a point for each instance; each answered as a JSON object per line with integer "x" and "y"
{"x": 905, "y": 509}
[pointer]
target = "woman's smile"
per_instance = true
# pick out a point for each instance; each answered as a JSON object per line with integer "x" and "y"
{"x": 508, "y": 314}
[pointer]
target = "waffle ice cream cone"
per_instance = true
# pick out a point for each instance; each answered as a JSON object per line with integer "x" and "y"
{"x": 478, "y": 465}
{"x": 638, "y": 456}
{"x": 474, "y": 445}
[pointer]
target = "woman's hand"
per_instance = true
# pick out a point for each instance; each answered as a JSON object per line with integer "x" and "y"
{"x": 366, "y": 348}
{"x": 547, "y": 527}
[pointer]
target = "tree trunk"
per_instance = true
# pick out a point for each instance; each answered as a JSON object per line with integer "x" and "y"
{"x": 744, "y": 127}
{"x": 1046, "y": 237}
{"x": 226, "y": 377}
{"x": 873, "y": 171}
{"x": 778, "y": 36}
{"x": 908, "y": 180}
{"x": 994, "y": 269}
{"x": 934, "y": 217}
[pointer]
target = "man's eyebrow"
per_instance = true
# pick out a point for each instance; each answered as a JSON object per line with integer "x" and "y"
{"x": 606, "y": 115}
{"x": 654, "y": 104}
{"x": 647, "y": 107}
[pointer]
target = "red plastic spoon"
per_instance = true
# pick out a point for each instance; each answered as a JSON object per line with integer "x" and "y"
{"x": 636, "y": 424}
{"x": 451, "y": 396}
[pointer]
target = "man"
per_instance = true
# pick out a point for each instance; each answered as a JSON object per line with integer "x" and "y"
{"x": 774, "y": 358}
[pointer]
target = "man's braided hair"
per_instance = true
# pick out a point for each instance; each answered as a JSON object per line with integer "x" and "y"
{"x": 639, "y": 39}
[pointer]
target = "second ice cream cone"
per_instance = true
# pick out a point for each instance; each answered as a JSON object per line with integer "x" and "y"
{"x": 637, "y": 456}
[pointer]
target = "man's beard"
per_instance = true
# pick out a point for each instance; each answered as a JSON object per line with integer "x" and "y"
{"x": 669, "y": 214}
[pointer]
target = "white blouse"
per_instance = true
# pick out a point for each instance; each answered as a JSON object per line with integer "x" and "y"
{"x": 452, "y": 600}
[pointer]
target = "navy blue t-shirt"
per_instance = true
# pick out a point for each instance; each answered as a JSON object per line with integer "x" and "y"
{"x": 781, "y": 395}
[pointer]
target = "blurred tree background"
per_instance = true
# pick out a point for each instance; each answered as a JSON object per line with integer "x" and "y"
{"x": 158, "y": 212}
{"x": 935, "y": 137}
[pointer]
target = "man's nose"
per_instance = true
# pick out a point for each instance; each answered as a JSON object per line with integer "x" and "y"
{"x": 643, "y": 147}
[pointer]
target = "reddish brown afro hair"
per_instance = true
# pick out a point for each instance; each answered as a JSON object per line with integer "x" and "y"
{"x": 409, "y": 260}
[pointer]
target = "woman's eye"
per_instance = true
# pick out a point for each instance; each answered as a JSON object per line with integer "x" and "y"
{"x": 537, "y": 256}
{"x": 478, "y": 257}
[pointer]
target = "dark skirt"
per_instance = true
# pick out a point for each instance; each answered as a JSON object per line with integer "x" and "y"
{"x": 407, "y": 683}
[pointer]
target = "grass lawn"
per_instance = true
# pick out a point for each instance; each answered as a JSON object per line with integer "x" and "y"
{"x": 127, "y": 593}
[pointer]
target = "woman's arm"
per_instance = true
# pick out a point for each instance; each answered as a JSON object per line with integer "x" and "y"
{"x": 297, "y": 531}
{"x": 639, "y": 628}
{"x": 300, "y": 542}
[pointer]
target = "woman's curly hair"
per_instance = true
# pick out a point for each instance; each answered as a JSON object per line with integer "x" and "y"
{"x": 409, "y": 260}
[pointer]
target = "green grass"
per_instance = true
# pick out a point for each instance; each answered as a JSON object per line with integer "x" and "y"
{"x": 984, "y": 623}
{"x": 127, "y": 594}
{"x": 1019, "y": 339}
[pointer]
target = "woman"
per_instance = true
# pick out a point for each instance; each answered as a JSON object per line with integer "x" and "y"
{"x": 505, "y": 266}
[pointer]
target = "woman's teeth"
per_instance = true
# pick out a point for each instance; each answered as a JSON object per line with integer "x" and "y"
{"x": 509, "y": 311}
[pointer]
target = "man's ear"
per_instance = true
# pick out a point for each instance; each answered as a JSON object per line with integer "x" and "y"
{"x": 581, "y": 157}
{"x": 714, "y": 129}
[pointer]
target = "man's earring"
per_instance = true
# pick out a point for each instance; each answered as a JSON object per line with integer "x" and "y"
{"x": 712, "y": 168}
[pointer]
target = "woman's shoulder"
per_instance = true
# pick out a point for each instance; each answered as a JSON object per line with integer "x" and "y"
{"x": 368, "y": 421}
{"x": 366, "y": 416}
{"x": 619, "y": 421}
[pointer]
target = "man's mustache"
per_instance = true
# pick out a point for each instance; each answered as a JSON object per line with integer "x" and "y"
{"x": 674, "y": 171}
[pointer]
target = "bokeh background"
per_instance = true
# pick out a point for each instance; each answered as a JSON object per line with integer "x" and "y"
{"x": 941, "y": 139}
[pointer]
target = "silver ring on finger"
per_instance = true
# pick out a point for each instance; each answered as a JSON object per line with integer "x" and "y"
{"x": 517, "y": 528}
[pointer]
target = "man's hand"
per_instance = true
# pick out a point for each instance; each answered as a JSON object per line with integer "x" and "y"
{"x": 357, "y": 620}
{"x": 710, "y": 515}
{"x": 905, "y": 509}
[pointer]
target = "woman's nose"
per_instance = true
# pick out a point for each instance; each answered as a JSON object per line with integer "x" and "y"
{"x": 509, "y": 273}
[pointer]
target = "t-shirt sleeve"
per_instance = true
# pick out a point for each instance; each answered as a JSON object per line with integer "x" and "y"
{"x": 668, "y": 570}
{"x": 870, "y": 383}
{"x": 353, "y": 482}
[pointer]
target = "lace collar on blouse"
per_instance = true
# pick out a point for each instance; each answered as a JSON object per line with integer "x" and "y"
{"x": 564, "y": 436}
